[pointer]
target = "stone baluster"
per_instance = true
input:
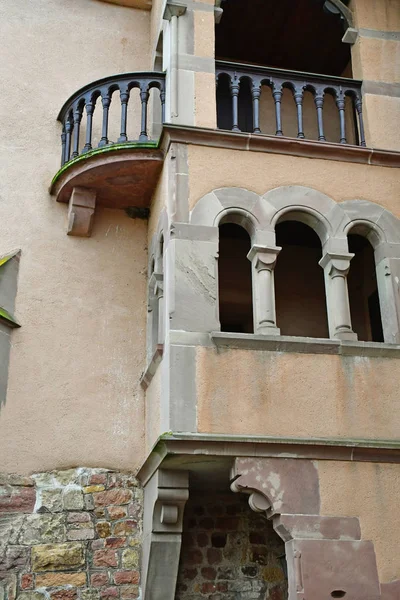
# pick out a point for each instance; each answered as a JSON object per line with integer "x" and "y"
{"x": 277, "y": 93}
{"x": 319, "y": 104}
{"x": 106, "y": 101}
{"x": 124, "y": 95}
{"x": 144, "y": 98}
{"x": 298, "y": 98}
{"x": 358, "y": 107}
{"x": 77, "y": 125}
{"x": 336, "y": 268}
{"x": 234, "y": 88}
{"x": 341, "y": 104}
{"x": 263, "y": 259}
{"x": 89, "y": 125}
{"x": 256, "y": 93}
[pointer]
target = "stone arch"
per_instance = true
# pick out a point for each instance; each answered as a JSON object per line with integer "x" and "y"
{"x": 337, "y": 6}
{"x": 307, "y": 205}
{"x": 373, "y": 221}
{"x": 242, "y": 206}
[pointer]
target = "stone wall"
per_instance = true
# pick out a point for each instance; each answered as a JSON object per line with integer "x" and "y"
{"x": 69, "y": 535}
{"x": 229, "y": 552}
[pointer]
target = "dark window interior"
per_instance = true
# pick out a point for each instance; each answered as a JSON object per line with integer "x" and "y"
{"x": 299, "y": 282}
{"x": 363, "y": 291}
{"x": 290, "y": 34}
{"x": 234, "y": 279}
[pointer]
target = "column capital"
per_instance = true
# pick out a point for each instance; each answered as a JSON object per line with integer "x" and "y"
{"x": 156, "y": 282}
{"x": 263, "y": 257}
{"x": 174, "y": 9}
{"x": 336, "y": 264}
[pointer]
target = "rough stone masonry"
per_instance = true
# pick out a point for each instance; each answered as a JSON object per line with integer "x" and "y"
{"x": 70, "y": 535}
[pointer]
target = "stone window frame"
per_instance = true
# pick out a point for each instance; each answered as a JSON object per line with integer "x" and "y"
{"x": 332, "y": 222}
{"x": 155, "y": 290}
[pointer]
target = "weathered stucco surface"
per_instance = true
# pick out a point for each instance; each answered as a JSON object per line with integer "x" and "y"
{"x": 296, "y": 394}
{"x": 370, "y": 492}
{"x": 384, "y": 15}
{"x": 260, "y": 172}
{"x": 74, "y": 369}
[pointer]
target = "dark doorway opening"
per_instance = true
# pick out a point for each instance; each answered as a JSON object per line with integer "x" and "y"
{"x": 299, "y": 282}
{"x": 234, "y": 280}
{"x": 363, "y": 291}
{"x": 299, "y": 36}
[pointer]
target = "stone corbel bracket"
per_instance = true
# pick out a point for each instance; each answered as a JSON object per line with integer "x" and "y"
{"x": 82, "y": 204}
{"x": 165, "y": 496}
{"x": 326, "y": 557}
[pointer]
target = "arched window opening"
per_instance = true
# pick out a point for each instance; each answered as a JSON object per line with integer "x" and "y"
{"x": 299, "y": 282}
{"x": 363, "y": 291}
{"x": 234, "y": 280}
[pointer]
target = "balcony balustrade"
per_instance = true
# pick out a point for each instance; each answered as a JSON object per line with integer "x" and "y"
{"x": 121, "y": 173}
{"x": 239, "y": 90}
{"x": 99, "y": 95}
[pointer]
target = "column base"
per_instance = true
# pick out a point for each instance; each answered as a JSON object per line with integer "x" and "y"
{"x": 265, "y": 330}
{"x": 346, "y": 336}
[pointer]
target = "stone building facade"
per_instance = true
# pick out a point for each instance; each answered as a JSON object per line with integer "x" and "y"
{"x": 199, "y": 307}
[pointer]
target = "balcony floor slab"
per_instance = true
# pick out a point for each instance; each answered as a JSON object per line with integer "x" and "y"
{"x": 122, "y": 177}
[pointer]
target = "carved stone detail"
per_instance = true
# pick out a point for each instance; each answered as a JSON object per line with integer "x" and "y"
{"x": 165, "y": 496}
{"x": 81, "y": 212}
{"x": 325, "y": 556}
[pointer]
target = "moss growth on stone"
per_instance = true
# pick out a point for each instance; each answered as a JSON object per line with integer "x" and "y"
{"x": 103, "y": 150}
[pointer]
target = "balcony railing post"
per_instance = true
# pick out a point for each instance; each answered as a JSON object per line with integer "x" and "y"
{"x": 144, "y": 98}
{"x": 124, "y": 95}
{"x": 255, "y": 94}
{"x": 358, "y": 106}
{"x": 319, "y": 103}
{"x": 298, "y": 98}
{"x": 89, "y": 124}
{"x": 277, "y": 95}
{"x": 77, "y": 125}
{"x": 341, "y": 104}
{"x": 106, "y": 101}
{"x": 162, "y": 98}
{"x": 234, "y": 88}
{"x": 63, "y": 140}
{"x": 68, "y": 131}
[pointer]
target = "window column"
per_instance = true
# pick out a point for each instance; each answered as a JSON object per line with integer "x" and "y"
{"x": 263, "y": 259}
{"x": 336, "y": 268}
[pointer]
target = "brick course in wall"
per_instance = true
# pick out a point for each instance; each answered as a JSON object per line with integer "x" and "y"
{"x": 229, "y": 552}
{"x": 70, "y": 535}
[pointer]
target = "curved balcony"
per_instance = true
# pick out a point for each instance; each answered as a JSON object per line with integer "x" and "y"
{"x": 121, "y": 173}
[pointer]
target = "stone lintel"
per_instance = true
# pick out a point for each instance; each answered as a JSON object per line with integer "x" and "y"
{"x": 81, "y": 212}
{"x": 171, "y": 449}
